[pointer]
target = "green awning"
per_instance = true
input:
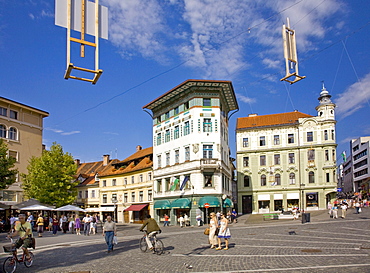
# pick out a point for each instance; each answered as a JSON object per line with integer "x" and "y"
{"x": 228, "y": 203}
{"x": 162, "y": 204}
{"x": 213, "y": 201}
{"x": 181, "y": 203}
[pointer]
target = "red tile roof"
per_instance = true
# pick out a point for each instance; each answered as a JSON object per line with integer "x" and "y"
{"x": 270, "y": 120}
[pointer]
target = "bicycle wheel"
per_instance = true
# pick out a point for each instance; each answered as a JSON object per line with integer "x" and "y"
{"x": 159, "y": 247}
{"x": 142, "y": 244}
{"x": 10, "y": 265}
{"x": 29, "y": 262}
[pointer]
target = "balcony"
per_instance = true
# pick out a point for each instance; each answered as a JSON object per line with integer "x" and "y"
{"x": 209, "y": 163}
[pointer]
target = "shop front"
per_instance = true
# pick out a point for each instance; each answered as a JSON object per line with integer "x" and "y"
{"x": 181, "y": 207}
{"x": 214, "y": 206}
{"x": 292, "y": 200}
{"x": 264, "y": 203}
{"x": 162, "y": 207}
{"x": 137, "y": 213}
{"x": 278, "y": 202}
{"x": 312, "y": 201}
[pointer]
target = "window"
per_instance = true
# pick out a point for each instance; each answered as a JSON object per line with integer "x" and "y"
{"x": 141, "y": 196}
{"x": 355, "y": 148}
{"x": 263, "y": 180}
{"x": 277, "y": 179}
{"x": 177, "y": 156}
{"x": 176, "y": 111}
{"x": 114, "y": 197}
{"x": 159, "y": 159}
{"x": 114, "y": 182}
{"x": 208, "y": 181}
{"x": 133, "y": 197}
{"x": 176, "y": 132}
{"x": 2, "y": 131}
{"x": 13, "y": 133}
{"x": 311, "y": 177}
{"x": 125, "y": 197}
{"x": 159, "y": 119}
{"x": 159, "y": 185}
{"x": 132, "y": 179}
{"x": 207, "y": 151}
{"x": 333, "y": 156}
{"x": 3, "y": 111}
{"x": 290, "y": 138}
{"x": 332, "y": 135}
{"x": 125, "y": 180}
{"x": 277, "y": 159}
{"x": 327, "y": 177}
{"x": 262, "y": 141}
{"x": 141, "y": 178}
{"x": 186, "y": 128}
{"x": 276, "y": 140}
{"x": 187, "y": 153}
{"x": 167, "y": 115}
{"x": 292, "y": 178}
{"x": 246, "y": 161}
{"x": 186, "y": 105}
{"x": 93, "y": 194}
{"x": 150, "y": 195}
{"x": 168, "y": 159}
{"x": 206, "y": 102}
{"x": 326, "y": 137}
{"x": 159, "y": 139}
{"x": 104, "y": 183}
{"x": 86, "y": 194}
{"x": 263, "y": 160}
{"x": 79, "y": 194}
{"x": 14, "y": 154}
{"x": 149, "y": 176}
{"x": 13, "y": 114}
{"x": 105, "y": 199}
{"x": 207, "y": 125}
{"x": 245, "y": 142}
{"x": 291, "y": 158}
{"x": 309, "y": 136}
{"x": 167, "y": 135}
{"x": 327, "y": 155}
{"x": 247, "y": 181}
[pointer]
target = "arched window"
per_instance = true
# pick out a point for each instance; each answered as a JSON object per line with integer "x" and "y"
{"x": 311, "y": 177}
{"x": 2, "y": 131}
{"x": 247, "y": 180}
{"x": 292, "y": 178}
{"x": 263, "y": 180}
{"x": 13, "y": 133}
{"x": 277, "y": 179}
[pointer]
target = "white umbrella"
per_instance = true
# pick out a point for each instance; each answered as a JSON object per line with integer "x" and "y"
{"x": 36, "y": 207}
{"x": 69, "y": 208}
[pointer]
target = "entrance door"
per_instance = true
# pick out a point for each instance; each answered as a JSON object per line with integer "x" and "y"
{"x": 126, "y": 217}
{"x": 246, "y": 204}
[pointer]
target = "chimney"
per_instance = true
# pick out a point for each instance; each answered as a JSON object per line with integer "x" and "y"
{"x": 77, "y": 162}
{"x": 105, "y": 160}
{"x": 138, "y": 148}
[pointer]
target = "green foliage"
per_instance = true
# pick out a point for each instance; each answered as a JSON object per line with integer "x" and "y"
{"x": 50, "y": 177}
{"x": 7, "y": 171}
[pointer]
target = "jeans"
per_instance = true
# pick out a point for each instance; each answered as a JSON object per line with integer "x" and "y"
{"x": 109, "y": 239}
{"x": 55, "y": 229}
{"x": 165, "y": 223}
{"x": 87, "y": 228}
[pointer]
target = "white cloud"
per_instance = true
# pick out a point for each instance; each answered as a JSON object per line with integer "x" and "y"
{"x": 354, "y": 98}
{"x": 58, "y": 131}
{"x": 244, "y": 98}
{"x": 31, "y": 16}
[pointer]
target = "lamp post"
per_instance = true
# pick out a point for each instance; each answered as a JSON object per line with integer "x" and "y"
{"x": 114, "y": 201}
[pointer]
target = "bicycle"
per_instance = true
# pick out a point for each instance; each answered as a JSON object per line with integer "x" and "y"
{"x": 158, "y": 246}
{"x": 10, "y": 263}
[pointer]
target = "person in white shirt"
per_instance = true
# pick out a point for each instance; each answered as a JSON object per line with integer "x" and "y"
{"x": 344, "y": 210}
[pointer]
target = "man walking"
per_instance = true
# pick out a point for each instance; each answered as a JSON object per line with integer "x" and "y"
{"x": 86, "y": 220}
{"x": 109, "y": 231}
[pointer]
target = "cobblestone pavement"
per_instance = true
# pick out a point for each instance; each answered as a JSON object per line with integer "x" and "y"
{"x": 323, "y": 245}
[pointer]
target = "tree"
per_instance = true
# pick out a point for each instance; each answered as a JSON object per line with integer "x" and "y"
{"x": 50, "y": 177}
{"x": 7, "y": 171}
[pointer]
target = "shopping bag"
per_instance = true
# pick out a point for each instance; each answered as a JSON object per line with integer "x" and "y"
{"x": 115, "y": 241}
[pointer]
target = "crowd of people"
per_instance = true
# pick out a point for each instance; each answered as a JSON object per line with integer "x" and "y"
{"x": 344, "y": 205}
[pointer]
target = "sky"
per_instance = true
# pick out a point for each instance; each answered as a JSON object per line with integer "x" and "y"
{"x": 154, "y": 45}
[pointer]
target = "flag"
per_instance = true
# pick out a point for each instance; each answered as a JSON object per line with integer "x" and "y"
{"x": 343, "y": 154}
{"x": 174, "y": 184}
{"x": 183, "y": 184}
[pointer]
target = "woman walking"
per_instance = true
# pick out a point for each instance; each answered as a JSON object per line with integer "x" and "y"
{"x": 78, "y": 225}
{"x": 55, "y": 224}
{"x": 224, "y": 233}
{"x": 213, "y": 224}
{"x": 40, "y": 225}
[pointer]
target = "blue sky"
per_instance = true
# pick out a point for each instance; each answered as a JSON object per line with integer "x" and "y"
{"x": 155, "y": 45}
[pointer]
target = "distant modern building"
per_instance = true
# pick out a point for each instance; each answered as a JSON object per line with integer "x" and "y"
{"x": 287, "y": 160}
{"x": 191, "y": 155}
{"x": 21, "y": 127}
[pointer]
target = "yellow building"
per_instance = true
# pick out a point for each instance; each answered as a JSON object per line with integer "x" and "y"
{"x": 21, "y": 128}
{"x": 126, "y": 189}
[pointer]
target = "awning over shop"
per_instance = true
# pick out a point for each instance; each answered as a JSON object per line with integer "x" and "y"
{"x": 110, "y": 208}
{"x": 211, "y": 200}
{"x": 181, "y": 203}
{"x": 136, "y": 207}
{"x": 162, "y": 204}
{"x": 228, "y": 203}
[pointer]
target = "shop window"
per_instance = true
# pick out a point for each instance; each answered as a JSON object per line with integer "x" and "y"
{"x": 312, "y": 199}
{"x": 264, "y": 204}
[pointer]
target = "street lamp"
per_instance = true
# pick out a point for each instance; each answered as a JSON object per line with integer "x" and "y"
{"x": 114, "y": 201}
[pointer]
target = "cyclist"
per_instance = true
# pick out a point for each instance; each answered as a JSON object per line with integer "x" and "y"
{"x": 24, "y": 230}
{"x": 152, "y": 228}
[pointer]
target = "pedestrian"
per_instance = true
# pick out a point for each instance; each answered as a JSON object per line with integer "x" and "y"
{"x": 335, "y": 211}
{"x": 233, "y": 216}
{"x": 357, "y": 206}
{"x": 344, "y": 210}
{"x": 64, "y": 223}
{"x": 224, "y": 233}
{"x": 30, "y": 219}
{"x": 40, "y": 225}
{"x": 330, "y": 207}
{"x": 109, "y": 231}
{"x": 166, "y": 218}
{"x": 186, "y": 220}
{"x": 12, "y": 222}
{"x": 78, "y": 225}
{"x": 87, "y": 220}
{"x": 71, "y": 223}
{"x": 181, "y": 220}
{"x": 93, "y": 225}
{"x": 199, "y": 219}
{"x": 55, "y": 224}
{"x": 213, "y": 225}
